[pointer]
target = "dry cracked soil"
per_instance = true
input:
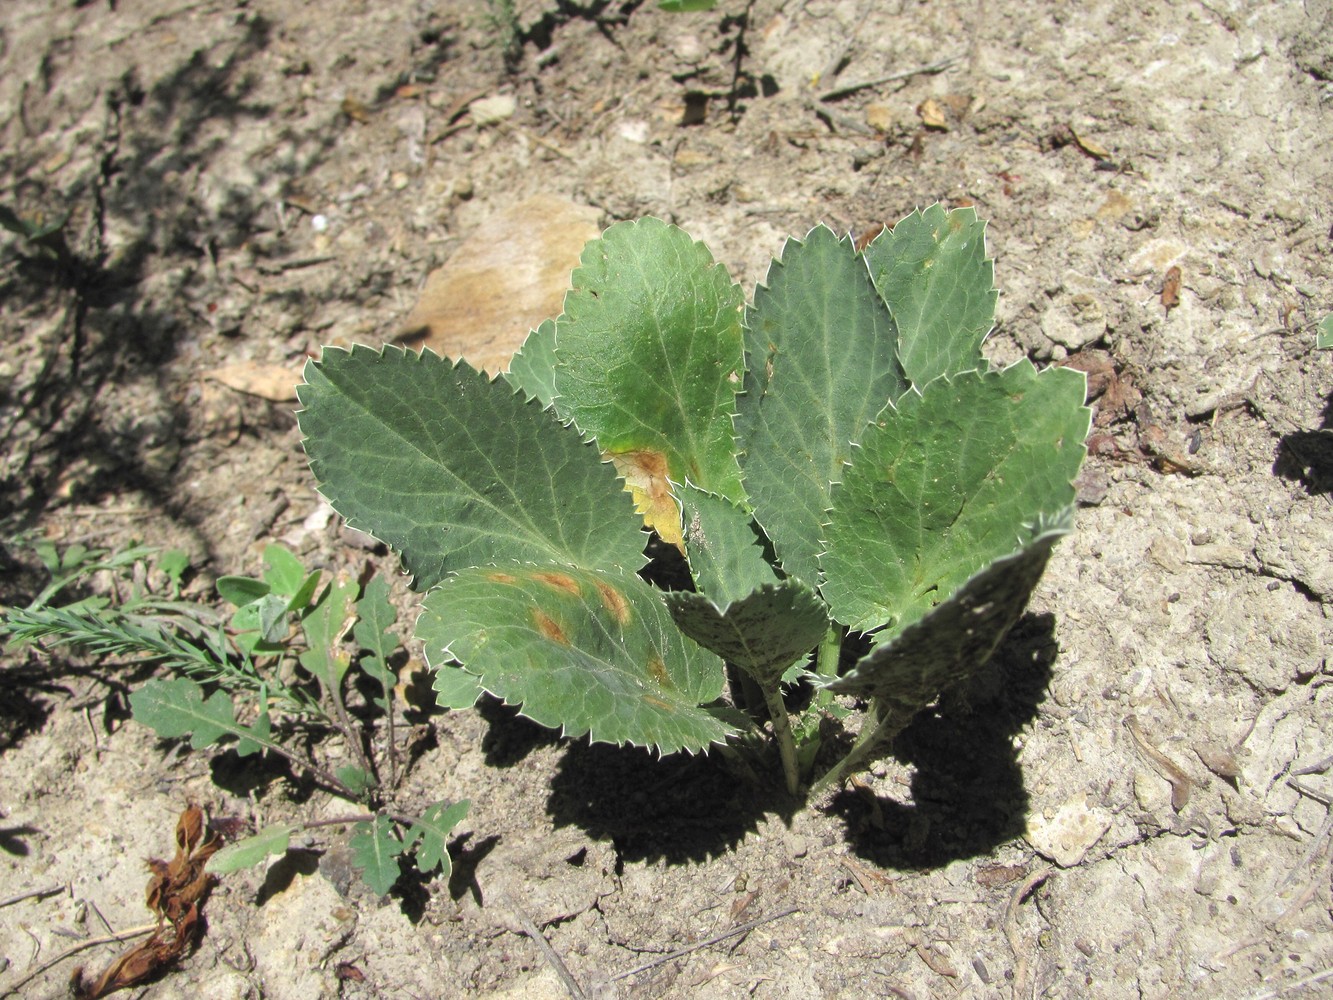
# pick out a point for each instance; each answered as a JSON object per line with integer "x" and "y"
{"x": 1136, "y": 806}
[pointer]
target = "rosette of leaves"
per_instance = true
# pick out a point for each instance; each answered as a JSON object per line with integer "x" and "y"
{"x": 836, "y": 456}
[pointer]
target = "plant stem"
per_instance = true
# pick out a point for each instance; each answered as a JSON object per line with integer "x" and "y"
{"x": 777, "y": 711}
{"x": 351, "y": 733}
{"x": 890, "y": 724}
{"x": 830, "y": 652}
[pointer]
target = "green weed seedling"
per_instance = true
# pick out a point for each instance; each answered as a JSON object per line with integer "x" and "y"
{"x": 279, "y": 666}
{"x": 834, "y": 458}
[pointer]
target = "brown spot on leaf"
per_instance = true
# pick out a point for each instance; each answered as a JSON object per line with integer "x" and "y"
{"x": 659, "y": 703}
{"x": 658, "y": 669}
{"x": 647, "y": 477}
{"x": 614, "y": 601}
{"x": 558, "y": 581}
{"x": 549, "y": 627}
{"x": 498, "y": 577}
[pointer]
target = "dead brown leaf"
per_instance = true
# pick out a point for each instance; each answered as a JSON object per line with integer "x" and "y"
{"x": 1114, "y": 389}
{"x": 1093, "y": 149}
{"x": 992, "y": 876}
{"x": 868, "y": 235}
{"x": 346, "y": 971}
{"x": 355, "y": 110}
{"x": 176, "y": 891}
{"x": 1171, "y": 289}
{"x": 1181, "y": 783}
{"x": 933, "y": 115}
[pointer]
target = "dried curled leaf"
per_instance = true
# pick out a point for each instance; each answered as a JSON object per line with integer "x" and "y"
{"x": 176, "y": 893}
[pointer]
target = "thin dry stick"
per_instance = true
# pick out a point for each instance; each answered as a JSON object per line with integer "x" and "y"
{"x": 852, "y": 88}
{"x": 1310, "y": 980}
{"x": 1011, "y": 926}
{"x": 678, "y": 953}
{"x": 1315, "y": 845}
{"x": 1318, "y": 767}
{"x": 539, "y": 939}
{"x": 49, "y": 890}
{"x": 133, "y": 932}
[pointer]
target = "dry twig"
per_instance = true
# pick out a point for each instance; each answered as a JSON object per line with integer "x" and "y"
{"x": 572, "y": 986}
{"x": 19, "y": 897}
{"x": 681, "y": 952}
{"x": 1011, "y": 926}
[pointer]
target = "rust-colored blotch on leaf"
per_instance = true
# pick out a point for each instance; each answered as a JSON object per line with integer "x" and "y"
{"x": 658, "y": 669}
{"x": 549, "y": 627}
{"x": 559, "y": 581}
{"x": 498, "y": 577}
{"x": 614, "y": 601}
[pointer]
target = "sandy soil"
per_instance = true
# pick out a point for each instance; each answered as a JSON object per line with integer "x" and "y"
{"x": 246, "y": 181}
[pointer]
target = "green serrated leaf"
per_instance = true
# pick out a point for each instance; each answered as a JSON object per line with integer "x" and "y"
{"x": 246, "y": 853}
{"x": 177, "y": 707}
{"x": 454, "y": 469}
{"x": 764, "y": 633}
{"x": 822, "y": 353}
{"x": 372, "y": 632}
{"x": 649, "y": 359}
{"x": 532, "y": 369}
{"x": 933, "y": 272}
{"x": 455, "y": 688}
{"x": 241, "y": 590}
{"x": 375, "y": 852}
{"x": 283, "y": 572}
{"x": 355, "y": 778}
{"x": 325, "y": 624}
{"x": 1324, "y": 338}
{"x": 944, "y": 483}
{"x": 723, "y": 548}
{"x": 173, "y": 563}
{"x": 588, "y": 651}
{"x": 433, "y": 829}
{"x": 955, "y": 639}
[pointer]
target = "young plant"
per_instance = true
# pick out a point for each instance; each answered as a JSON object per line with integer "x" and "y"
{"x": 835, "y": 458}
{"x": 283, "y": 656}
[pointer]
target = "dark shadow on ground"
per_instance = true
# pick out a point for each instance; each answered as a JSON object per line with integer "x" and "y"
{"x": 466, "y": 860}
{"x": 679, "y": 809}
{"x": 26, "y": 694}
{"x": 967, "y": 795}
{"x": 1307, "y": 456}
{"x": 13, "y": 839}
{"x": 115, "y": 313}
{"x": 509, "y": 736}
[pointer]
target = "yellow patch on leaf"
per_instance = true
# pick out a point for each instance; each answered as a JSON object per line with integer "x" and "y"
{"x": 646, "y": 477}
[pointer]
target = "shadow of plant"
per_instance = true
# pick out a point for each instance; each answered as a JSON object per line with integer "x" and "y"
{"x": 96, "y": 414}
{"x": 1307, "y": 456}
{"x": 967, "y": 794}
{"x": 678, "y": 809}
